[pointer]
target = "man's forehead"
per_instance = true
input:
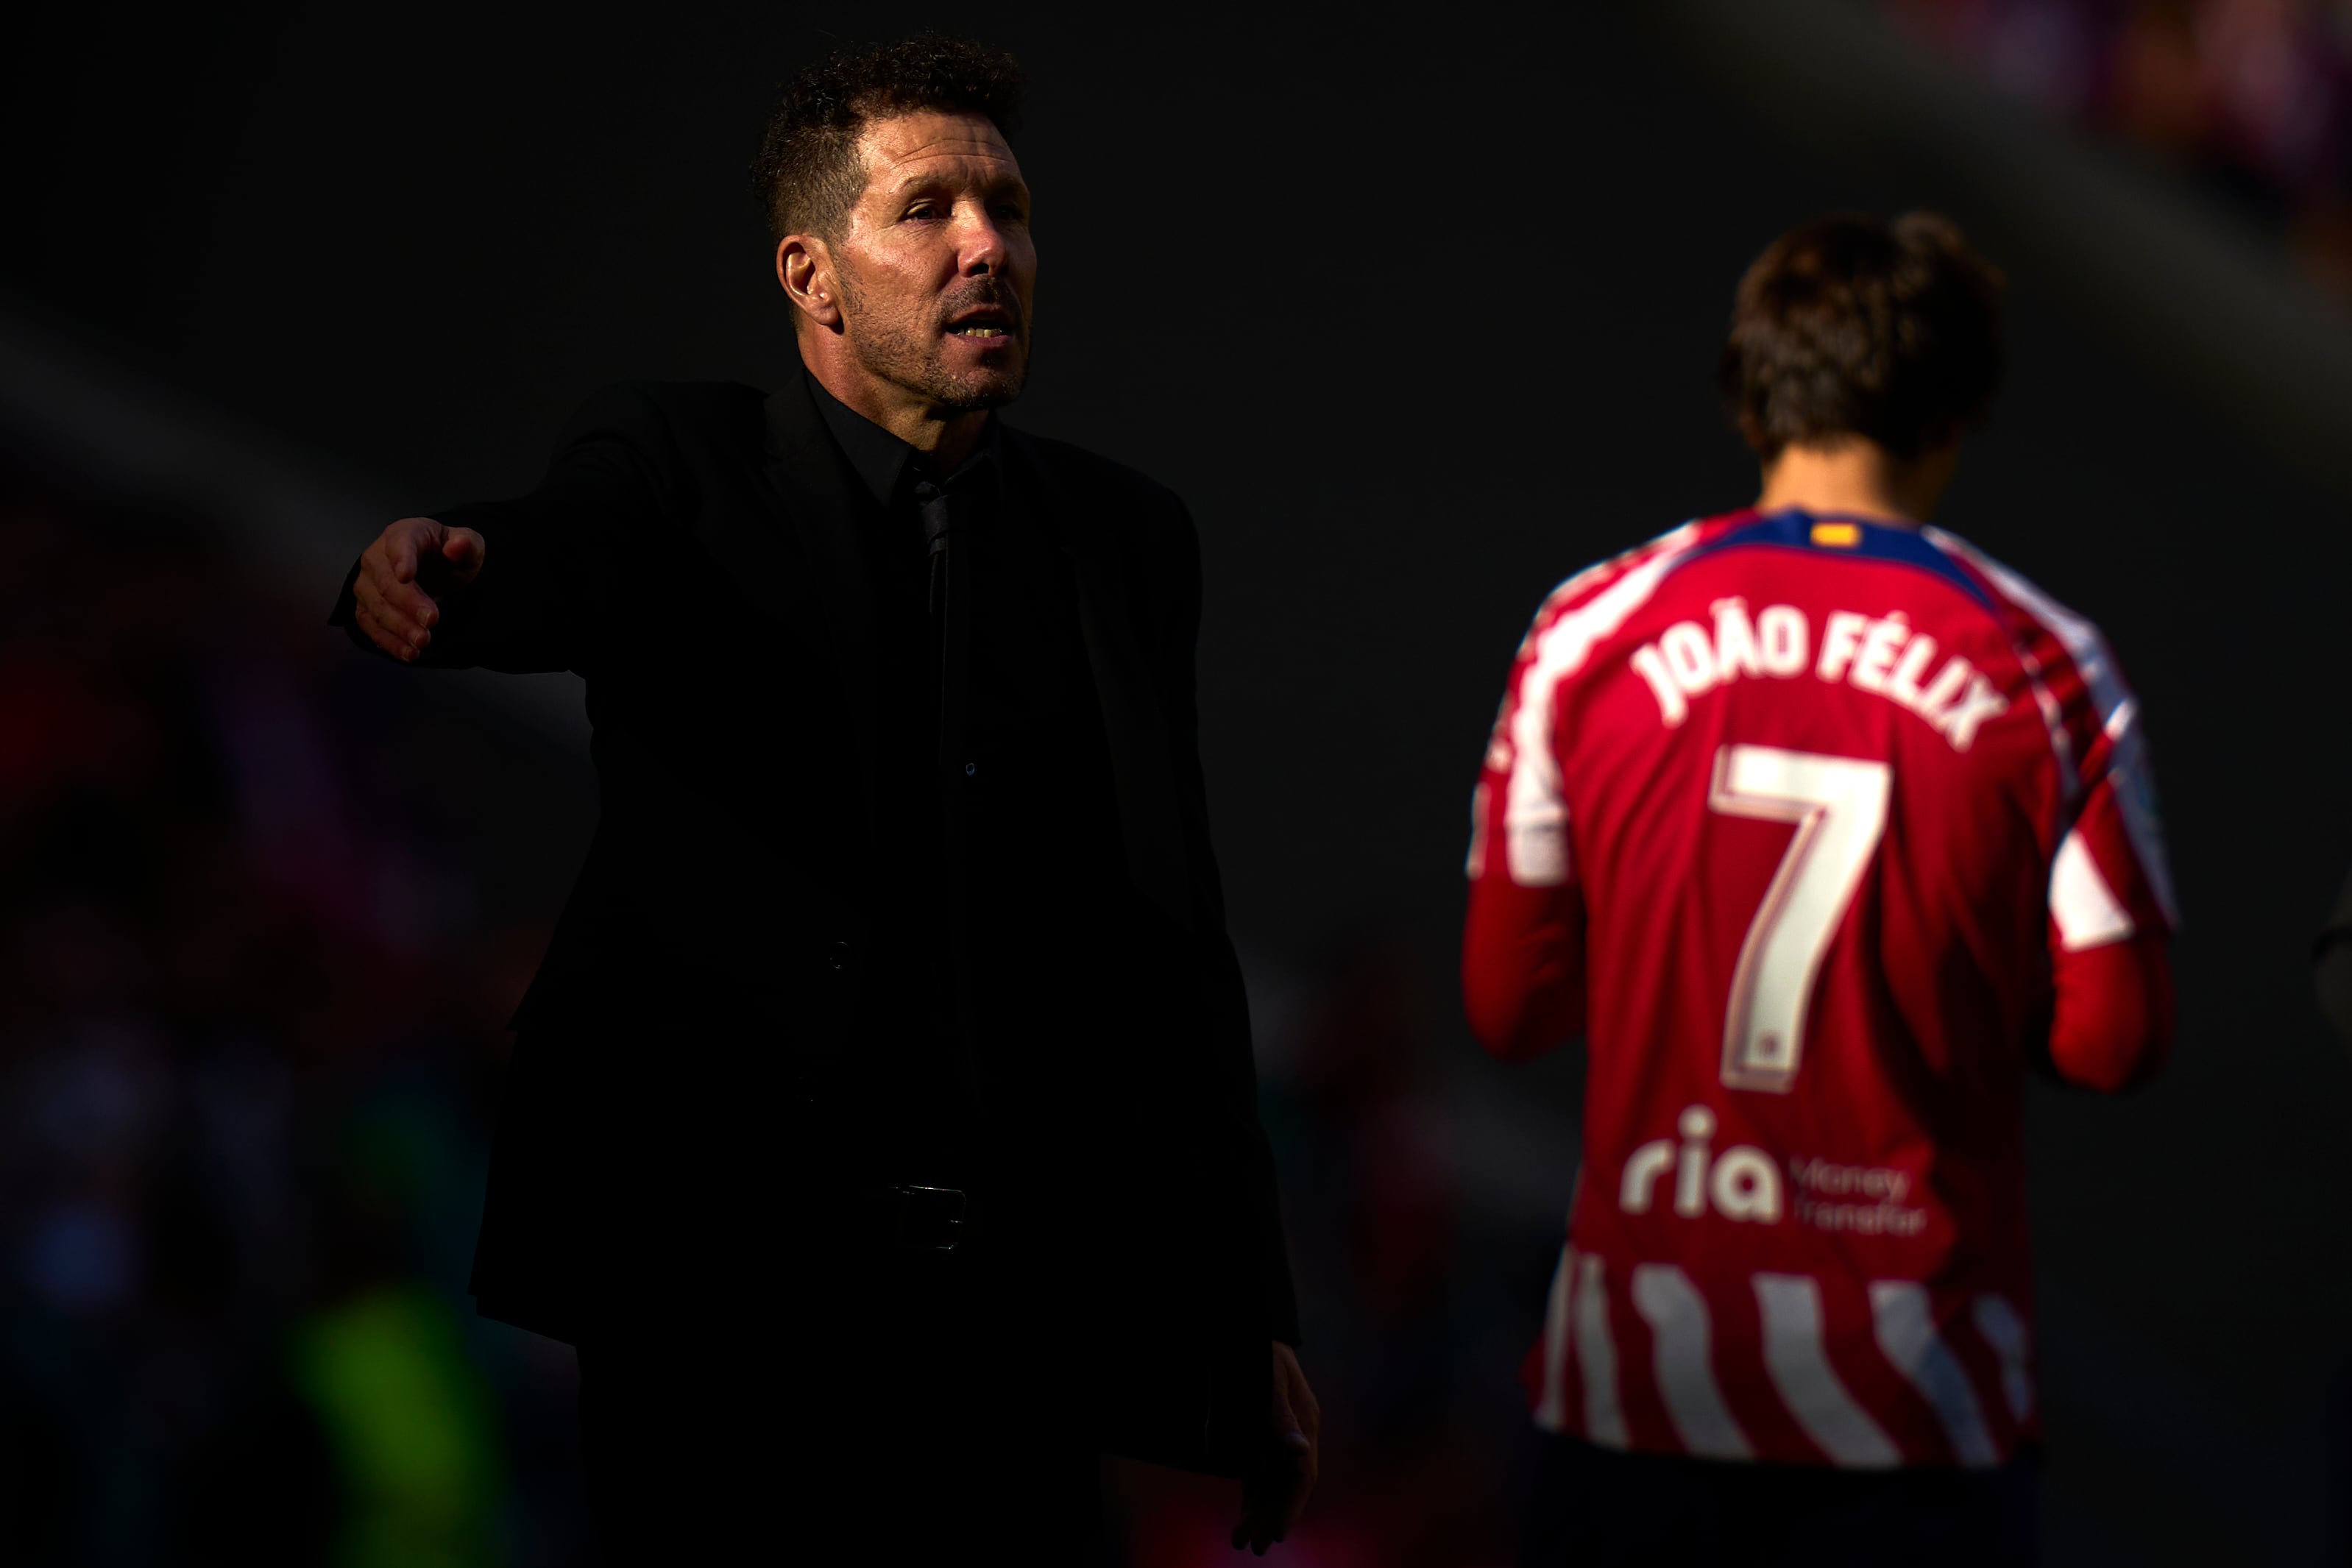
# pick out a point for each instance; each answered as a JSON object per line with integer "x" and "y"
{"x": 915, "y": 146}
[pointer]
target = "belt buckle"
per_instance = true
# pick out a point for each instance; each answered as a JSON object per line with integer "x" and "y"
{"x": 931, "y": 1219}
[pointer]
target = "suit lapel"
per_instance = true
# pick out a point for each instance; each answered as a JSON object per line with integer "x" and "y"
{"x": 1135, "y": 725}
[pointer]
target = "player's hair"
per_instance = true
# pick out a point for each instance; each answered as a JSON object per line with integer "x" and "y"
{"x": 1850, "y": 326}
{"x": 807, "y": 176}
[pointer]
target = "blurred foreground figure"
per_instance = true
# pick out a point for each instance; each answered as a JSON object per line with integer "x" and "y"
{"x": 1819, "y": 826}
{"x": 882, "y": 1125}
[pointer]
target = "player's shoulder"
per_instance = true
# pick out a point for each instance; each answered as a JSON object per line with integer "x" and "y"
{"x": 2044, "y": 629}
{"x": 2010, "y": 590}
{"x": 1594, "y": 602}
{"x": 1629, "y": 571}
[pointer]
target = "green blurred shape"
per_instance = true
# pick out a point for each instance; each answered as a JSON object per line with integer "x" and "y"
{"x": 413, "y": 1429}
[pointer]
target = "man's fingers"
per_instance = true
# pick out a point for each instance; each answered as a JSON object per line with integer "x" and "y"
{"x": 1294, "y": 1505}
{"x": 1274, "y": 1497}
{"x": 1285, "y": 1420}
{"x": 400, "y": 612}
{"x": 400, "y": 553}
{"x": 404, "y": 612}
{"x": 390, "y": 641}
{"x": 397, "y": 603}
{"x": 1298, "y": 1424}
{"x": 404, "y": 643}
{"x": 1274, "y": 1494}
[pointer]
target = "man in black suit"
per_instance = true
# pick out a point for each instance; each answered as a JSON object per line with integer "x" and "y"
{"x": 882, "y": 1125}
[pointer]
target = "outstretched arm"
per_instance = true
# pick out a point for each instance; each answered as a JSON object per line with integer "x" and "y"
{"x": 537, "y": 584}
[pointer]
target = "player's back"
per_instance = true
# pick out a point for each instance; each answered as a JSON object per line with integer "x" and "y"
{"x": 1824, "y": 786}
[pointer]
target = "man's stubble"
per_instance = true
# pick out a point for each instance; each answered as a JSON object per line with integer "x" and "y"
{"x": 904, "y": 347}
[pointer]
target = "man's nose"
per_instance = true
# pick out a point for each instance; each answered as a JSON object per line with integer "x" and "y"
{"x": 980, "y": 247}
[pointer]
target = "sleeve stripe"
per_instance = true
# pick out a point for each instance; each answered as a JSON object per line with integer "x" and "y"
{"x": 1535, "y": 809}
{"x": 2081, "y": 639}
{"x": 2119, "y": 713}
{"x": 2087, "y": 912}
{"x": 2018, "y": 592}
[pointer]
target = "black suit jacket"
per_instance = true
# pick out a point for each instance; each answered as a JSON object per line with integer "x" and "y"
{"x": 694, "y": 553}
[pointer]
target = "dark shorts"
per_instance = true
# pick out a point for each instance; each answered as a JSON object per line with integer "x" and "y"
{"x": 1596, "y": 1506}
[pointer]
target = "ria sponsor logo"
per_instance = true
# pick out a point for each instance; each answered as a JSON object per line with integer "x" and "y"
{"x": 1740, "y": 1182}
{"x": 1743, "y": 1184}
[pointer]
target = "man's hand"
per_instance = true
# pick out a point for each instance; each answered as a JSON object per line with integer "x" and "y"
{"x": 1274, "y": 1493}
{"x": 411, "y": 567}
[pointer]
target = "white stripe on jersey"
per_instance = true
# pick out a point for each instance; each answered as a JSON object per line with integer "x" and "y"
{"x": 1596, "y": 1357}
{"x": 1551, "y": 1404}
{"x": 2004, "y": 1329}
{"x": 1797, "y": 1357}
{"x": 2119, "y": 713}
{"x": 2086, "y": 910}
{"x": 1905, "y": 1326}
{"x": 1680, "y": 1329}
{"x": 1535, "y": 810}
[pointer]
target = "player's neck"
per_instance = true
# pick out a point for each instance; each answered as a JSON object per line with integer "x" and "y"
{"x": 1858, "y": 478}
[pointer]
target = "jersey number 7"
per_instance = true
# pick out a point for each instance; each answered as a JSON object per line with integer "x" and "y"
{"x": 1839, "y": 807}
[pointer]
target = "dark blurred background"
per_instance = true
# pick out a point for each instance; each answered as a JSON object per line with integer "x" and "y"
{"x": 1418, "y": 309}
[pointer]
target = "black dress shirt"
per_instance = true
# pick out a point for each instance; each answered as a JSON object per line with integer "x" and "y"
{"x": 1008, "y": 846}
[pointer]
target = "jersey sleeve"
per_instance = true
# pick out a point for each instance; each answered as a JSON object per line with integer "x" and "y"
{"x": 2111, "y": 907}
{"x": 1523, "y": 936}
{"x": 2109, "y": 881}
{"x": 1523, "y": 949}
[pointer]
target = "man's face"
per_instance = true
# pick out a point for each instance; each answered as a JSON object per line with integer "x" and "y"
{"x": 936, "y": 263}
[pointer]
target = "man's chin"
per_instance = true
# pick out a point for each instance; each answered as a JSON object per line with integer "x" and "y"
{"x": 971, "y": 393}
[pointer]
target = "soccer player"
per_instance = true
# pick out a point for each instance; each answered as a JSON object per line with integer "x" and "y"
{"x": 1819, "y": 825}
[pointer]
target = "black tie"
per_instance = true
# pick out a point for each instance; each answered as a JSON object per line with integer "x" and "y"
{"x": 942, "y": 511}
{"x": 951, "y": 605}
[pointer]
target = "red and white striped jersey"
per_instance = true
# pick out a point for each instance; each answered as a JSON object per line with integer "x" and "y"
{"x": 1810, "y": 823}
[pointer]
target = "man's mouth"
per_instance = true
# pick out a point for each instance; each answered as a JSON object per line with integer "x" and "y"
{"x": 986, "y": 323}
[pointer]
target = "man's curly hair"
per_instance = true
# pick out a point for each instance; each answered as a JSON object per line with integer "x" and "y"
{"x": 806, "y": 177}
{"x": 1851, "y": 326}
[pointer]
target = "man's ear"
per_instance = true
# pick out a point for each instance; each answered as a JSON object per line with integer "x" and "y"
{"x": 804, "y": 267}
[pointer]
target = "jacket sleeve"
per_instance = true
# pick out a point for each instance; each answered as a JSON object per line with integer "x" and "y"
{"x": 558, "y": 563}
{"x": 1179, "y": 635}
